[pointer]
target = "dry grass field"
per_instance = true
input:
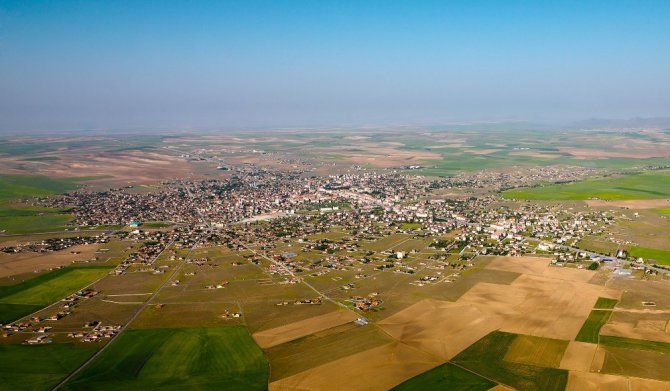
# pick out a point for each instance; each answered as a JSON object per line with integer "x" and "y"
{"x": 543, "y": 352}
{"x": 579, "y": 381}
{"x": 647, "y": 330}
{"x": 578, "y": 356}
{"x": 323, "y": 347}
{"x": 15, "y": 264}
{"x": 375, "y": 369}
{"x": 278, "y": 335}
{"x": 112, "y": 167}
{"x": 441, "y": 328}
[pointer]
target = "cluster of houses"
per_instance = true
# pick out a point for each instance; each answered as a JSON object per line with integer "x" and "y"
{"x": 95, "y": 331}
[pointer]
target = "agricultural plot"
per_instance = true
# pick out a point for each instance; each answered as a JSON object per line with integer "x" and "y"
{"x": 661, "y": 257}
{"x": 648, "y": 185}
{"x": 204, "y": 358}
{"x": 597, "y": 244}
{"x": 579, "y": 381}
{"x": 22, "y": 263}
{"x": 578, "y": 356}
{"x": 188, "y": 315}
{"x": 377, "y": 368}
{"x": 590, "y": 331}
{"x": 33, "y": 222}
{"x": 39, "y": 367}
{"x": 636, "y": 293}
{"x": 443, "y": 329}
{"x": 647, "y": 230}
{"x": 446, "y": 377}
{"x": 605, "y": 303}
{"x": 323, "y": 347}
{"x": 543, "y": 352}
{"x": 642, "y": 328}
{"x": 485, "y": 358}
{"x": 22, "y": 299}
{"x": 21, "y": 186}
{"x": 272, "y": 337}
{"x": 639, "y": 358}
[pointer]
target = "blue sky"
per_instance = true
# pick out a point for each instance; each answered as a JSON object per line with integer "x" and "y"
{"x": 73, "y": 65}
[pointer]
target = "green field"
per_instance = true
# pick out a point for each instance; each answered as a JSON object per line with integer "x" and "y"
{"x": 646, "y": 185}
{"x": 635, "y": 344}
{"x": 591, "y": 328}
{"x": 19, "y": 219}
{"x": 485, "y": 357}
{"x": 24, "y": 298}
{"x": 39, "y": 367}
{"x": 410, "y": 226}
{"x": 199, "y": 358}
{"x": 662, "y": 211}
{"x": 446, "y": 377}
{"x": 25, "y": 218}
{"x": 662, "y": 257}
{"x": 605, "y": 303}
{"x": 20, "y": 186}
{"x": 543, "y": 352}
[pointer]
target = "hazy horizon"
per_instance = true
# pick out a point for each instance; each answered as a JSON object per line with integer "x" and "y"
{"x": 73, "y": 65}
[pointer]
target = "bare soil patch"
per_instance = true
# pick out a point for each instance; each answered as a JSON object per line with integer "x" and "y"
{"x": 584, "y": 153}
{"x": 539, "y": 266}
{"x": 647, "y": 330}
{"x": 380, "y": 368}
{"x": 580, "y": 381}
{"x": 15, "y": 264}
{"x": 441, "y": 328}
{"x": 578, "y": 356}
{"x": 631, "y": 204}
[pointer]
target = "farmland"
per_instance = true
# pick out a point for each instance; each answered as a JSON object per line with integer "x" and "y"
{"x": 590, "y": 331}
{"x": 652, "y": 185}
{"x": 486, "y": 357}
{"x": 39, "y": 367}
{"x": 23, "y": 298}
{"x": 211, "y": 358}
{"x": 21, "y": 186}
{"x": 238, "y": 278}
{"x": 21, "y": 219}
{"x": 446, "y": 377}
{"x": 661, "y": 257}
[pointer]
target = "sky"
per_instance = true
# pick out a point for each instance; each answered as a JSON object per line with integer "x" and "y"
{"x": 79, "y": 65}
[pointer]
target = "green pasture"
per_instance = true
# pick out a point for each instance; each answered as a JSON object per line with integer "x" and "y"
{"x": 446, "y": 377}
{"x": 196, "y": 358}
{"x": 39, "y": 367}
{"x": 591, "y": 328}
{"x": 605, "y": 303}
{"x": 20, "y": 186}
{"x": 646, "y": 185}
{"x": 28, "y": 296}
{"x": 662, "y": 257}
{"x": 19, "y": 219}
{"x": 635, "y": 344}
{"x": 543, "y": 352}
{"x": 485, "y": 357}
